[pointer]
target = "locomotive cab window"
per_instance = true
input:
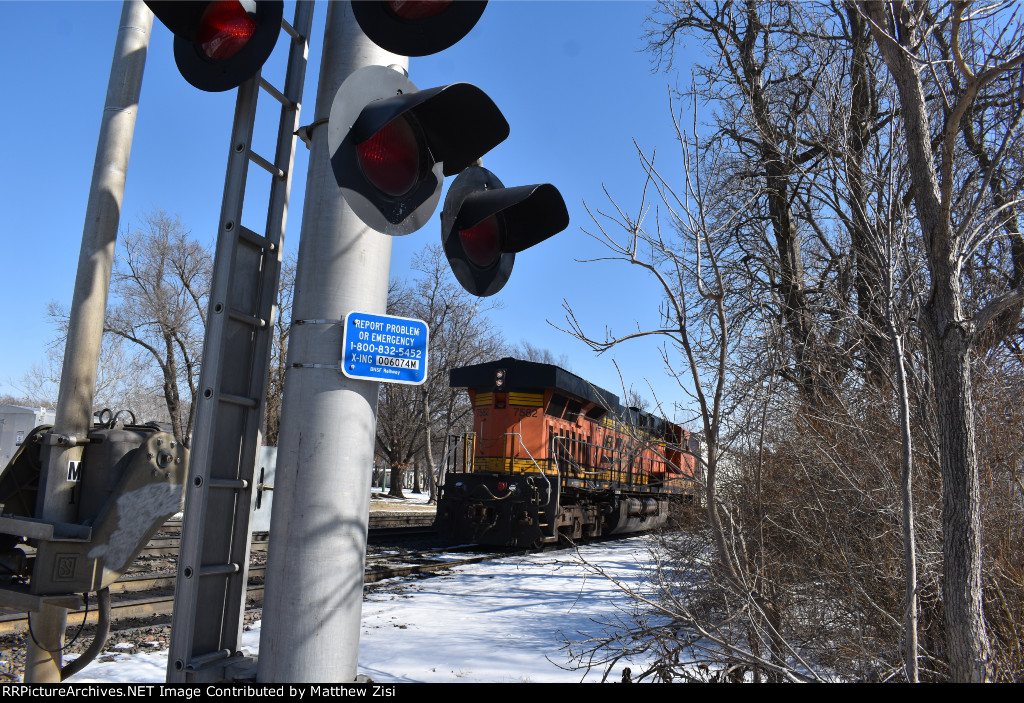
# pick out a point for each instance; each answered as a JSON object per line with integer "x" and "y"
{"x": 557, "y": 405}
{"x": 572, "y": 410}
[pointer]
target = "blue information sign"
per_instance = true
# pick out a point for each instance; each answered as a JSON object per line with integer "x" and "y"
{"x": 385, "y": 348}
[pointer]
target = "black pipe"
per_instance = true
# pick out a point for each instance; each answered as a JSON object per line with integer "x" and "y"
{"x": 102, "y": 632}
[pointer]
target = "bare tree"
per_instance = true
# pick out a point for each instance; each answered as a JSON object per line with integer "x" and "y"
{"x": 159, "y": 289}
{"x": 800, "y": 116}
{"x": 986, "y": 45}
{"x": 764, "y": 80}
{"x": 530, "y": 352}
{"x": 399, "y": 431}
{"x": 409, "y": 420}
{"x": 279, "y": 352}
{"x": 703, "y": 318}
{"x": 891, "y": 257}
{"x": 122, "y": 383}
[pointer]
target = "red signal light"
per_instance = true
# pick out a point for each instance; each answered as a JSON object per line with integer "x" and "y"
{"x": 390, "y": 159}
{"x": 224, "y": 29}
{"x": 417, "y": 9}
{"x": 502, "y": 485}
{"x": 482, "y": 241}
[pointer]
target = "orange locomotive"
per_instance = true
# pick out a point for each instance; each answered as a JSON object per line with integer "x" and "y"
{"x": 552, "y": 456}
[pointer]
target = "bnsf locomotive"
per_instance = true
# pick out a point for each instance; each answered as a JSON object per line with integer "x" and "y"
{"x": 551, "y": 456}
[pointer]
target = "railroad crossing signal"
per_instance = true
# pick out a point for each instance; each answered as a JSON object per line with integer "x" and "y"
{"x": 220, "y": 45}
{"x": 484, "y": 225}
{"x": 417, "y": 28}
{"x": 391, "y": 144}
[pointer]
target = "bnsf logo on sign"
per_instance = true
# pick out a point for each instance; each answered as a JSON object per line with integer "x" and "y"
{"x": 74, "y": 471}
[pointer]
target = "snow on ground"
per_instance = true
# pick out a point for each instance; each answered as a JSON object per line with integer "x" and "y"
{"x": 500, "y": 621}
{"x": 380, "y": 501}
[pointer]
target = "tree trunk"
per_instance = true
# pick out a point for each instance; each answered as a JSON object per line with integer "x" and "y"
{"x": 428, "y": 450}
{"x": 969, "y": 655}
{"x": 170, "y": 370}
{"x": 397, "y": 478}
{"x": 909, "y": 546}
{"x": 867, "y": 269}
{"x": 949, "y": 335}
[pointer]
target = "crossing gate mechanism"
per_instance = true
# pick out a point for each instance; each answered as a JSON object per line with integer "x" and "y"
{"x": 130, "y": 482}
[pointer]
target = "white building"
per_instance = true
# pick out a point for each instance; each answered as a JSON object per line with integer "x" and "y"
{"x": 16, "y": 423}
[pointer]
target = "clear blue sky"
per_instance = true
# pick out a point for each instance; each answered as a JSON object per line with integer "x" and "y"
{"x": 570, "y": 77}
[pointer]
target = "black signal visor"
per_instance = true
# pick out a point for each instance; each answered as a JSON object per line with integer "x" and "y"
{"x": 182, "y": 18}
{"x": 482, "y": 257}
{"x": 531, "y": 213}
{"x": 459, "y": 122}
{"x": 410, "y": 35}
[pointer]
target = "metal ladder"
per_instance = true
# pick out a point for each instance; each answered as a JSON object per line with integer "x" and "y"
{"x": 213, "y": 563}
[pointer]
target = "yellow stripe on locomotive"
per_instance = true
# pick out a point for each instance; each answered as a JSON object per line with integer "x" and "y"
{"x": 535, "y": 400}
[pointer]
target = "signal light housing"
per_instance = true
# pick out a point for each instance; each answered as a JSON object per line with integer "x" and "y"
{"x": 220, "y": 45}
{"x": 416, "y": 28}
{"x": 224, "y": 30}
{"x": 391, "y": 145}
{"x": 484, "y": 225}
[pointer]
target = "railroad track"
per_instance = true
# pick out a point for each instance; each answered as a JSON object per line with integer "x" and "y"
{"x": 148, "y": 590}
{"x": 147, "y": 595}
{"x": 383, "y": 526}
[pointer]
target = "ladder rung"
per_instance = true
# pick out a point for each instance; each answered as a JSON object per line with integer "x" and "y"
{"x": 256, "y": 239}
{"x": 219, "y": 569}
{"x": 291, "y": 31}
{"x": 239, "y": 400}
{"x": 250, "y": 320}
{"x": 237, "y": 484}
{"x": 265, "y": 165}
{"x": 203, "y": 659}
{"x": 276, "y": 94}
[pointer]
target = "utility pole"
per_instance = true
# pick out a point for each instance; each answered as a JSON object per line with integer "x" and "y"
{"x": 313, "y": 597}
{"x": 63, "y": 443}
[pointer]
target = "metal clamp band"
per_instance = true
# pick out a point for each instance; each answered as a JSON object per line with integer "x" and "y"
{"x": 318, "y": 322}
{"x": 334, "y": 367}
